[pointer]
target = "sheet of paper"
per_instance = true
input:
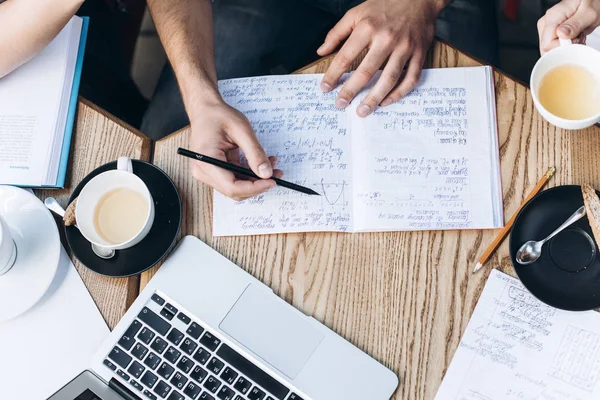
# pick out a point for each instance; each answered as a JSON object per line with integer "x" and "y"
{"x": 430, "y": 161}
{"x": 301, "y": 126}
{"x": 43, "y": 349}
{"x": 593, "y": 39}
{"x": 517, "y": 348}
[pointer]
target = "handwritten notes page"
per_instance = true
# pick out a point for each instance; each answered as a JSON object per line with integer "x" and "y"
{"x": 427, "y": 162}
{"x": 517, "y": 348}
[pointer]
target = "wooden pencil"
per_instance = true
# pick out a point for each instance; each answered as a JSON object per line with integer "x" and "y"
{"x": 494, "y": 245}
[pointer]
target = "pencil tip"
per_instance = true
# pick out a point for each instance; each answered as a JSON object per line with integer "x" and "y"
{"x": 477, "y": 267}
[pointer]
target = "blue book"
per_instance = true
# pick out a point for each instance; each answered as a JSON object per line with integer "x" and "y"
{"x": 38, "y": 104}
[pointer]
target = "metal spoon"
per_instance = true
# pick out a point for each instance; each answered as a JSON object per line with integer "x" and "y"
{"x": 531, "y": 251}
{"x": 55, "y": 207}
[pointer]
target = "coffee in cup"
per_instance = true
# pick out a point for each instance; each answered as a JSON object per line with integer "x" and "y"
{"x": 115, "y": 209}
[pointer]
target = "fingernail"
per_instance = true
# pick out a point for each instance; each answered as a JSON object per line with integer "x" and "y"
{"x": 565, "y": 29}
{"x": 386, "y": 102}
{"x": 326, "y": 87}
{"x": 341, "y": 103}
{"x": 265, "y": 171}
{"x": 363, "y": 110}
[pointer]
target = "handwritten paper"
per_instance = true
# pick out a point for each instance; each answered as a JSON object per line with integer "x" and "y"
{"x": 430, "y": 161}
{"x": 518, "y": 348}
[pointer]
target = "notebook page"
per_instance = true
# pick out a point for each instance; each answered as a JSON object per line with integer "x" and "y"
{"x": 29, "y": 103}
{"x": 429, "y": 161}
{"x": 518, "y": 348}
{"x": 301, "y": 126}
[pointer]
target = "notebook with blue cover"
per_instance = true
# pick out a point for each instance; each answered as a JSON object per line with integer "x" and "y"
{"x": 38, "y": 103}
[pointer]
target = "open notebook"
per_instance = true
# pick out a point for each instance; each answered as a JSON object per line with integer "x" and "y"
{"x": 37, "y": 110}
{"x": 428, "y": 162}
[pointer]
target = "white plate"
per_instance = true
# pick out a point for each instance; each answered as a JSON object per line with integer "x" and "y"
{"x": 38, "y": 251}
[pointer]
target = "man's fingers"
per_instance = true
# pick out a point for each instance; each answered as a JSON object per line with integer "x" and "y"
{"x": 336, "y": 35}
{"x": 574, "y": 26}
{"x": 363, "y": 75}
{"x": 242, "y": 134}
{"x": 409, "y": 81}
{"x": 385, "y": 83}
{"x": 343, "y": 60}
{"x": 551, "y": 20}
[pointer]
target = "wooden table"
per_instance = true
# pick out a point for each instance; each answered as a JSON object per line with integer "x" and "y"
{"x": 403, "y": 297}
{"x": 99, "y": 138}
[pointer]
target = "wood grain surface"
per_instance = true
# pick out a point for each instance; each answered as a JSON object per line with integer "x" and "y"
{"x": 99, "y": 138}
{"x": 403, "y": 297}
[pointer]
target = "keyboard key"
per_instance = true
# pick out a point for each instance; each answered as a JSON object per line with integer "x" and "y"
{"x": 198, "y": 374}
{"x": 202, "y": 355}
{"x": 212, "y": 384}
{"x": 149, "y": 395}
{"x": 256, "y": 394}
{"x": 165, "y": 371}
{"x": 149, "y": 379}
{"x": 120, "y": 358}
{"x": 110, "y": 365}
{"x": 171, "y": 308}
{"x": 188, "y": 346}
{"x": 229, "y": 375}
{"x": 172, "y": 355}
{"x": 128, "y": 338}
{"x": 294, "y": 396}
{"x": 157, "y": 299}
{"x": 185, "y": 364}
{"x": 139, "y": 351}
{"x": 162, "y": 389}
{"x": 136, "y": 369}
{"x": 271, "y": 398}
{"x": 210, "y": 341}
{"x": 225, "y": 393}
{"x": 136, "y": 385}
{"x": 206, "y": 396}
{"x": 146, "y": 335}
{"x": 152, "y": 361}
{"x": 215, "y": 365}
{"x": 183, "y": 318}
{"x": 159, "y": 345}
{"x": 176, "y": 396}
{"x": 179, "y": 380}
{"x": 195, "y": 330}
{"x": 175, "y": 336}
{"x": 238, "y": 397}
{"x": 167, "y": 314}
{"x": 243, "y": 385}
{"x": 154, "y": 321}
{"x": 254, "y": 373}
{"x": 192, "y": 390}
{"x": 122, "y": 374}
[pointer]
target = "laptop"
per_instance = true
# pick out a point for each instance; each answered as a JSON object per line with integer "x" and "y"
{"x": 205, "y": 329}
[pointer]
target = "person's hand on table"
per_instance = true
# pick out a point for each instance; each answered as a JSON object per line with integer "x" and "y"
{"x": 569, "y": 19}
{"x": 221, "y": 131}
{"x": 396, "y": 31}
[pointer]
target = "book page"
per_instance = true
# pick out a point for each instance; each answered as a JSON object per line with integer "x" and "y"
{"x": 429, "y": 161}
{"x": 301, "y": 126}
{"x": 517, "y": 348}
{"x": 29, "y": 104}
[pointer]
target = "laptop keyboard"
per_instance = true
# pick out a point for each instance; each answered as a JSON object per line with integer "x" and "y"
{"x": 163, "y": 354}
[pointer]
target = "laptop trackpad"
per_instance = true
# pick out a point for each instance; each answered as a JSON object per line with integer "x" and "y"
{"x": 272, "y": 329}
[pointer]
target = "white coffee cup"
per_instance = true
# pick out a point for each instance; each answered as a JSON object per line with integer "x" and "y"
{"x": 96, "y": 188}
{"x": 566, "y": 54}
{"x": 8, "y": 249}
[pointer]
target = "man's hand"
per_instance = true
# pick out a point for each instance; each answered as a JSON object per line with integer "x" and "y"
{"x": 220, "y": 131}
{"x": 399, "y": 31}
{"x": 569, "y": 19}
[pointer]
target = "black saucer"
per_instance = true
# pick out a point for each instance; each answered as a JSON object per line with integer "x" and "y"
{"x": 154, "y": 246}
{"x": 567, "y": 274}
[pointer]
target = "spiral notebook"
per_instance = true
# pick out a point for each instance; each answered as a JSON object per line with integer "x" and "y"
{"x": 38, "y": 102}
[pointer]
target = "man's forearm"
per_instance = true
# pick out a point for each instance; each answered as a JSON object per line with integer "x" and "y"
{"x": 186, "y": 31}
{"x": 27, "y": 26}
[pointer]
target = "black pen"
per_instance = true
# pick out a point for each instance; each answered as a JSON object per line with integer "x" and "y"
{"x": 242, "y": 171}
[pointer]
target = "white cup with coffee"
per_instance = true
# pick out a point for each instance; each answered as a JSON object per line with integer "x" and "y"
{"x": 565, "y": 86}
{"x": 8, "y": 249}
{"x": 115, "y": 209}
